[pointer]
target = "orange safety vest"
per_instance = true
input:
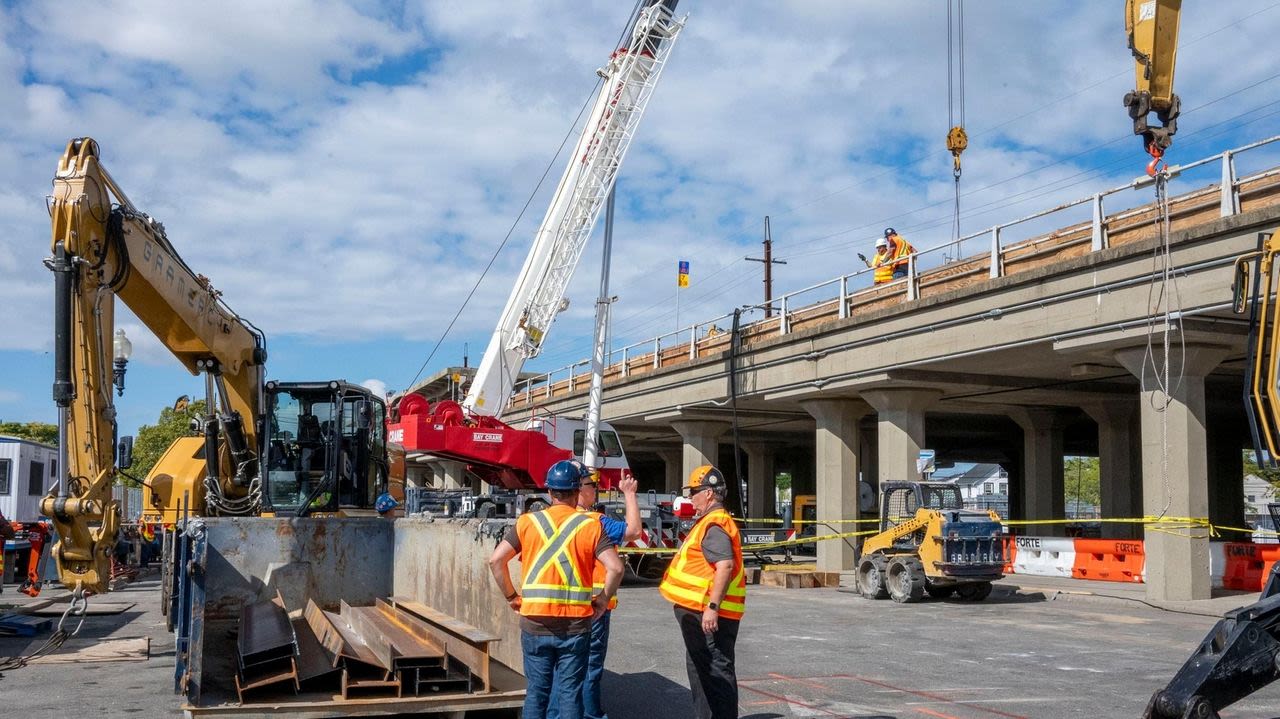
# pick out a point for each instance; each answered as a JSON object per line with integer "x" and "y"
{"x": 687, "y": 582}
{"x": 894, "y": 259}
{"x": 901, "y": 251}
{"x": 557, "y": 561}
{"x": 598, "y": 574}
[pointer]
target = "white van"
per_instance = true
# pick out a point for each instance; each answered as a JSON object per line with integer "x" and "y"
{"x": 27, "y": 470}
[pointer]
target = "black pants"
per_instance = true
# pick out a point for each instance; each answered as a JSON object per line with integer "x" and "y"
{"x": 709, "y": 660}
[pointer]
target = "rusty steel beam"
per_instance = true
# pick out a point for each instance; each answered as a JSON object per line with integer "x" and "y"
{"x": 463, "y": 642}
{"x": 390, "y": 640}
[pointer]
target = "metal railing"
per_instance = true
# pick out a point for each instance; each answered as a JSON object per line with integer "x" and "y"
{"x": 621, "y": 361}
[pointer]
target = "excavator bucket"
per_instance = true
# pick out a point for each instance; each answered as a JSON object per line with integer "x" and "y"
{"x": 1237, "y": 658}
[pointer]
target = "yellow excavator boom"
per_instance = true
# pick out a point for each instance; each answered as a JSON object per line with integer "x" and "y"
{"x": 1152, "y": 28}
{"x": 102, "y": 248}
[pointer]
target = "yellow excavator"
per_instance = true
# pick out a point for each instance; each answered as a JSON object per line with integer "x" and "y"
{"x": 296, "y": 448}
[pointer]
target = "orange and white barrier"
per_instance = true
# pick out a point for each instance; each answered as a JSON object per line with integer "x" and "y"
{"x": 1043, "y": 556}
{"x": 1232, "y": 565}
{"x": 1109, "y": 560}
{"x": 1246, "y": 566}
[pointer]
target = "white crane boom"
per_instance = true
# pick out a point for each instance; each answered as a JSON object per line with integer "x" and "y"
{"x": 629, "y": 80}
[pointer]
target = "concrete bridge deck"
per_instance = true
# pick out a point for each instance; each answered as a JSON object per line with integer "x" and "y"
{"x": 1054, "y": 348}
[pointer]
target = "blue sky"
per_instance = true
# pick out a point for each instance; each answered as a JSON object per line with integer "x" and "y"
{"x": 343, "y": 172}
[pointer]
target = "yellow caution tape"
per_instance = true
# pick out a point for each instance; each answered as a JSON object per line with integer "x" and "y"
{"x": 756, "y": 547}
{"x": 1176, "y": 526}
{"x": 774, "y": 520}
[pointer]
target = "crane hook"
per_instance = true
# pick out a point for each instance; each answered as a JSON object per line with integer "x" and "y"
{"x": 1157, "y": 160}
{"x": 957, "y": 142}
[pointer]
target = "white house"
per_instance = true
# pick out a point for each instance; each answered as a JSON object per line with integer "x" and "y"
{"x": 27, "y": 470}
{"x": 1258, "y": 493}
{"x": 980, "y": 480}
{"x": 982, "y": 486}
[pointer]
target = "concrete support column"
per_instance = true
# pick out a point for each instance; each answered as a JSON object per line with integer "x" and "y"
{"x": 451, "y": 474}
{"x": 836, "y": 460}
{"x": 1227, "y": 437}
{"x": 762, "y": 493}
{"x": 701, "y": 444}
{"x": 1119, "y": 465}
{"x": 1174, "y": 467}
{"x": 672, "y": 460}
{"x": 900, "y": 424}
{"x": 868, "y": 461}
{"x": 1043, "y": 491}
{"x": 417, "y": 475}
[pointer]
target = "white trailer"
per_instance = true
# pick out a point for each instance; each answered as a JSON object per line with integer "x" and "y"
{"x": 27, "y": 470}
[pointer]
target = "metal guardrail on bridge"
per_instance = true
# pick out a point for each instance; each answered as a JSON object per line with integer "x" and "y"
{"x": 1225, "y": 198}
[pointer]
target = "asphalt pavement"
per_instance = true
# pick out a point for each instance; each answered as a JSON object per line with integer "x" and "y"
{"x": 1035, "y": 648}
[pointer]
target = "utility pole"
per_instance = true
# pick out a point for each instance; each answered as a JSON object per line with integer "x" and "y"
{"x": 769, "y": 262}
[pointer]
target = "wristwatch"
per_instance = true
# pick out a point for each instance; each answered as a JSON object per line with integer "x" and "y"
{"x": 512, "y": 595}
{"x": 713, "y": 605}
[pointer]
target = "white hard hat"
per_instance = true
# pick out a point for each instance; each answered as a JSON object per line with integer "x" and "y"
{"x": 882, "y": 242}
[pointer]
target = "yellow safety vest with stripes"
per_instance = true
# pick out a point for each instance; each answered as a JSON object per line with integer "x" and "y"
{"x": 557, "y": 561}
{"x": 687, "y": 582}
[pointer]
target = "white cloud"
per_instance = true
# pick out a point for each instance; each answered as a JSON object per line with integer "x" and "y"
{"x": 315, "y": 202}
{"x": 376, "y": 386}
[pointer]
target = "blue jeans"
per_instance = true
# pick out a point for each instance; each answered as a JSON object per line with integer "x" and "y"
{"x": 554, "y": 668}
{"x": 900, "y": 274}
{"x": 591, "y": 707}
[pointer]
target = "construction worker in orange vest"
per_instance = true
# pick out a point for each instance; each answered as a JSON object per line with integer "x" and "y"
{"x": 558, "y": 548}
{"x": 706, "y": 584}
{"x": 890, "y": 261}
{"x": 619, "y": 532}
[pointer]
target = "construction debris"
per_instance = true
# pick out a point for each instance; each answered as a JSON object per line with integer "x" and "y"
{"x": 397, "y": 648}
{"x": 112, "y": 650}
{"x": 267, "y": 650}
{"x": 16, "y": 625}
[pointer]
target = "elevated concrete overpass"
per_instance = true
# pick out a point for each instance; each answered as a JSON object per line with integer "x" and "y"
{"x": 1021, "y": 355}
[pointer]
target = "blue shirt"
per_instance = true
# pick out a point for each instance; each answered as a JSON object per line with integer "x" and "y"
{"x": 614, "y": 529}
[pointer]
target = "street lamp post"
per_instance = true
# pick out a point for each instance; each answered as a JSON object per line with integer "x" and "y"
{"x": 122, "y": 349}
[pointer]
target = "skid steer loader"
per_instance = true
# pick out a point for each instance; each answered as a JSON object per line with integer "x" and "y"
{"x": 928, "y": 542}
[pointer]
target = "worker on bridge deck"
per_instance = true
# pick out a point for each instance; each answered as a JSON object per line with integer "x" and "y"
{"x": 891, "y": 258}
{"x": 559, "y": 548}
{"x": 706, "y": 584}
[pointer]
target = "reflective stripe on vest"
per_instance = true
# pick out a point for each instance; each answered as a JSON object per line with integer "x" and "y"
{"x": 688, "y": 579}
{"x": 554, "y": 583}
{"x": 883, "y": 270}
{"x": 901, "y": 251}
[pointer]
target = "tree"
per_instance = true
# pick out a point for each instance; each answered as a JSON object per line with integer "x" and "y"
{"x": 34, "y": 431}
{"x": 782, "y": 485}
{"x": 1082, "y": 481}
{"x": 154, "y": 439}
{"x": 1252, "y": 467}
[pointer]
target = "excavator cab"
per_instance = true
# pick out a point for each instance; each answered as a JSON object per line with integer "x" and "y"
{"x": 325, "y": 448}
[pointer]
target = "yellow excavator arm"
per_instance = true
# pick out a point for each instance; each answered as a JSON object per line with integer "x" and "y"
{"x": 1152, "y": 27}
{"x": 103, "y": 249}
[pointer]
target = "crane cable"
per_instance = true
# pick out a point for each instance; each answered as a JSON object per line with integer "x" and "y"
{"x": 957, "y": 140}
